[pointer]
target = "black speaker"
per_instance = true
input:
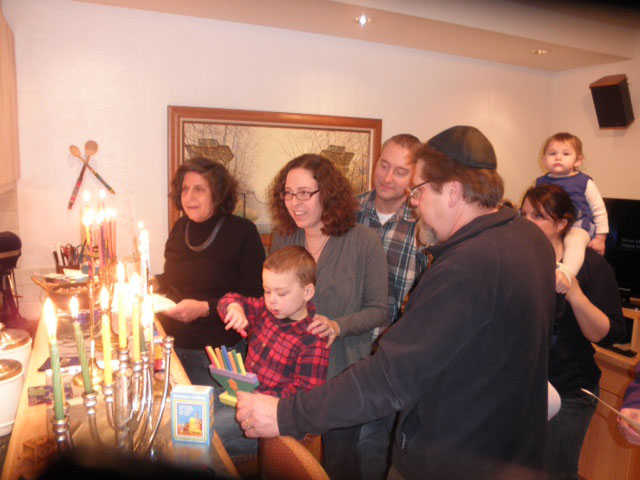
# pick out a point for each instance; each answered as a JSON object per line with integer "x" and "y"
{"x": 612, "y": 101}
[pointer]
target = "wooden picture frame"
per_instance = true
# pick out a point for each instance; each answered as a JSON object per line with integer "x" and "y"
{"x": 254, "y": 145}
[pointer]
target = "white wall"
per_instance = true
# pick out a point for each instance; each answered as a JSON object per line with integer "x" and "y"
{"x": 108, "y": 74}
{"x": 612, "y": 156}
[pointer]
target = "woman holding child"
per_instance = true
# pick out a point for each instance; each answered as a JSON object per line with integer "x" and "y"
{"x": 312, "y": 205}
{"x": 209, "y": 252}
{"x": 589, "y": 312}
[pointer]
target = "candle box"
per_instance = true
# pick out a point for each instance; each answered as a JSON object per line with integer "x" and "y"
{"x": 192, "y": 414}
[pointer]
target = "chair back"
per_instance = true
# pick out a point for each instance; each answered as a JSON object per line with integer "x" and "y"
{"x": 284, "y": 458}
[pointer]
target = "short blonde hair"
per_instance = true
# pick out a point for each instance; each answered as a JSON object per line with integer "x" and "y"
{"x": 293, "y": 258}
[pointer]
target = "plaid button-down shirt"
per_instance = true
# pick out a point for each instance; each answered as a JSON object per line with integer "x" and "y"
{"x": 284, "y": 356}
{"x": 398, "y": 234}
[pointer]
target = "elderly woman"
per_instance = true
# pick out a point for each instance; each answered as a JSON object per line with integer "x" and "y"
{"x": 589, "y": 312}
{"x": 209, "y": 252}
{"x": 312, "y": 205}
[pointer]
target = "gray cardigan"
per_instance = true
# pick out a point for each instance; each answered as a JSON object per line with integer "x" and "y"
{"x": 351, "y": 289}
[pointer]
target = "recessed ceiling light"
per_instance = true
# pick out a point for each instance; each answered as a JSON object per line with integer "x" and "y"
{"x": 539, "y": 51}
{"x": 362, "y": 20}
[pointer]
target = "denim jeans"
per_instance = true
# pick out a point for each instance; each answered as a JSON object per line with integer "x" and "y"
{"x": 374, "y": 448}
{"x": 566, "y": 434}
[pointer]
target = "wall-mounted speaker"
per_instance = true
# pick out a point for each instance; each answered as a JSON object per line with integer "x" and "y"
{"x": 612, "y": 101}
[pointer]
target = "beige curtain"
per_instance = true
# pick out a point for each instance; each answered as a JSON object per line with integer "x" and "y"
{"x": 9, "y": 161}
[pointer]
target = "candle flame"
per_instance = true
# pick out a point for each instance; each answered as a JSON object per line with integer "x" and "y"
{"x": 51, "y": 321}
{"x": 86, "y": 196}
{"x": 102, "y": 193}
{"x": 74, "y": 307}
{"x": 104, "y": 299}
{"x": 88, "y": 217}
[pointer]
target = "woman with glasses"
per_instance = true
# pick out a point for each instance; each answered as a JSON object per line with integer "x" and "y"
{"x": 312, "y": 205}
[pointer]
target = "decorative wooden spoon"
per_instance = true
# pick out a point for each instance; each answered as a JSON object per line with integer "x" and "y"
{"x": 75, "y": 151}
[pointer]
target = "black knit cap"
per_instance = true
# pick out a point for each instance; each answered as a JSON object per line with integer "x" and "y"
{"x": 466, "y": 145}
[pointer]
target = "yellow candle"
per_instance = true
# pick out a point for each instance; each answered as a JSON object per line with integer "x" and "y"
{"x": 147, "y": 321}
{"x": 122, "y": 319}
{"x": 106, "y": 337}
{"x": 135, "y": 316}
{"x": 82, "y": 354}
{"x": 51, "y": 321}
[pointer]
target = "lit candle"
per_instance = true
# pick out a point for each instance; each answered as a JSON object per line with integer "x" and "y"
{"x": 134, "y": 288}
{"x": 84, "y": 364}
{"x": 122, "y": 319}
{"x": 51, "y": 321}
{"x": 106, "y": 337}
{"x": 147, "y": 321}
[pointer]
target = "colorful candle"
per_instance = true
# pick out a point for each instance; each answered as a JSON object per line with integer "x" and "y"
{"x": 51, "y": 321}
{"x": 106, "y": 337}
{"x": 134, "y": 284}
{"x": 147, "y": 322}
{"x": 82, "y": 354}
{"x": 122, "y": 314}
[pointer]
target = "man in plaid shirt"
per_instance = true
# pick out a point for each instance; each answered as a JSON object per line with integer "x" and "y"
{"x": 386, "y": 210}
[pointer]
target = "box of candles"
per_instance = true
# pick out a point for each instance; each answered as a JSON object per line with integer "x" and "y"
{"x": 192, "y": 414}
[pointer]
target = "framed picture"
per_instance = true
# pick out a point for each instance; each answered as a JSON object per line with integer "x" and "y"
{"x": 254, "y": 145}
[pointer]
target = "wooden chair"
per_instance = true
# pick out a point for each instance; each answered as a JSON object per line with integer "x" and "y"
{"x": 285, "y": 458}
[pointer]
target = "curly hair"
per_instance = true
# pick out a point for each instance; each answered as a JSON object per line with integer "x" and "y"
{"x": 338, "y": 202}
{"x": 553, "y": 201}
{"x": 224, "y": 188}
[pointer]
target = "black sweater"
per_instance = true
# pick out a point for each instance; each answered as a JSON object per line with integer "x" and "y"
{"x": 232, "y": 263}
{"x": 466, "y": 364}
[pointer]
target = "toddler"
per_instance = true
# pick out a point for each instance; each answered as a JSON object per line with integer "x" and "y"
{"x": 281, "y": 352}
{"x": 561, "y": 156}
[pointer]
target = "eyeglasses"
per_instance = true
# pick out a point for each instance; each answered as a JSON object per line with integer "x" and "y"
{"x": 302, "y": 195}
{"x": 413, "y": 193}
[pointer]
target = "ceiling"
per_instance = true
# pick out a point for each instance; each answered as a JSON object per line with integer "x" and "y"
{"x": 575, "y": 34}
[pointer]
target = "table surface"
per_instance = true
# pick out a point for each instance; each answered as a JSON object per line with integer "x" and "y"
{"x": 32, "y": 421}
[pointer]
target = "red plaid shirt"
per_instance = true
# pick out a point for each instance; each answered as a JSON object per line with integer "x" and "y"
{"x": 282, "y": 353}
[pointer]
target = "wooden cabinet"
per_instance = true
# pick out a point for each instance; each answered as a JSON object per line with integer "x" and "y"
{"x": 605, "y": 453}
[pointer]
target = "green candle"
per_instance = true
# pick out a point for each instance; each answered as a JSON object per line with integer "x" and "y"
{"x": 56, "y": 376}
{"x": 82, "y": 354}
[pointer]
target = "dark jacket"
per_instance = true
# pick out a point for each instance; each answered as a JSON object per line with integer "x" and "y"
{"x": 466, "y": 365}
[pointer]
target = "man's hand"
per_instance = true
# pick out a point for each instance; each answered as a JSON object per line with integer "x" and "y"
{"x": 324, "y": 327}
{"x": 598, "y": 243}
{"x": 631, "y": 434}
{"x": 236, "y": 319}
{"x": 188, "y": 310}
{"x": 257, "y": 414}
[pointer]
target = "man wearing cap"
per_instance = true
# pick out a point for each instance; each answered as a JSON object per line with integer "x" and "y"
{"x": 466, "y": 365}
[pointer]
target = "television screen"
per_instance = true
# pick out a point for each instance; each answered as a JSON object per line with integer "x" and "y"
{"x": 623, "y": 243}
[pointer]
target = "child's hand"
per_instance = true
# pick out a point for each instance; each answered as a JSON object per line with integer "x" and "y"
{"x": 236, "y": 319}
{"x": 598, "y": 243}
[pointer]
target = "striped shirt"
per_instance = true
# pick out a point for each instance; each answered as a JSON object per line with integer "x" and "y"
{"x": 284, "y": 356}
{"x": 398, "y": 235}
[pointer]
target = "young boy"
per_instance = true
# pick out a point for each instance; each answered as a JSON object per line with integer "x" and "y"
{"x": 282, "y": 353}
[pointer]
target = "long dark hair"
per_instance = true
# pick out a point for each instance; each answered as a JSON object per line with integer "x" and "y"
{"x": 553, "y": 201}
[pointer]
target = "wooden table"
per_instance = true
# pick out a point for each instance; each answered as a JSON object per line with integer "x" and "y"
{"x": 605, "y": 453}
{"x": 32, "y": 422}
